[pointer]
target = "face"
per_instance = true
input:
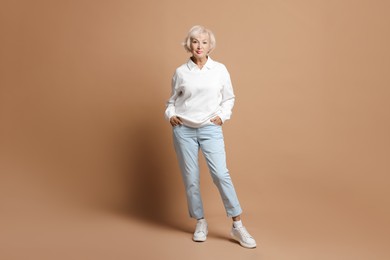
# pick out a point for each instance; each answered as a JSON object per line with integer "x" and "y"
{"x": 200, "y": 46}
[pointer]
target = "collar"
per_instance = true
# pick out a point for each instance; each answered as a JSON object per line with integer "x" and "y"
{"x": 209, "y": 64}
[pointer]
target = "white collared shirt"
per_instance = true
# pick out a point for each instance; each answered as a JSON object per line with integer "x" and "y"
{"x": 198, "y": 95}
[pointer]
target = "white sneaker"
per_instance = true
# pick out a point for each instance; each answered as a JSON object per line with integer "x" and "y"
{"x": 201, "y": 231}
{"x": 241, "y": 235}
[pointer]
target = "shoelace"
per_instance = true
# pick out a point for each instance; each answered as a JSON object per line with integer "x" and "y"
{"x": 244, "y": 232}
{"x": 200, "y": 227}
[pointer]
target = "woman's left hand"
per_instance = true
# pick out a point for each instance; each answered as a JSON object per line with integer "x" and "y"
{"x": 217, "y": 120}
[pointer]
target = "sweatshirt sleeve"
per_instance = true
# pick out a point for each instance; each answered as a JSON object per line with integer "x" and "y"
{"x": 228, "y": 96}
{"x": 170, "y": 104}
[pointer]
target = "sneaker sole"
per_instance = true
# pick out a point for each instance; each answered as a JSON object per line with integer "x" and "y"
{"x": 242, "y": 243}
{"x": 199, "y": 239}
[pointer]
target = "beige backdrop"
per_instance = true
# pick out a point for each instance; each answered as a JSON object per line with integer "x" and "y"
{"x": 87, "y": 166}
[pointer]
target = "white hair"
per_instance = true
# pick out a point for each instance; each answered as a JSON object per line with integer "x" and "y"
{"x": 196, "y": 31}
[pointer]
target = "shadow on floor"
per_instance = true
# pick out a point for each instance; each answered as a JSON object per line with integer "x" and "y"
{"x": 150, "y": 179}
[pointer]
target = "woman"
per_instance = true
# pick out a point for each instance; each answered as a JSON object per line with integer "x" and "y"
{"x": 202, "y": 100}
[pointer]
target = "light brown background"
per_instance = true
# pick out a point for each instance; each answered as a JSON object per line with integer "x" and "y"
{"x": 87, "y": 165}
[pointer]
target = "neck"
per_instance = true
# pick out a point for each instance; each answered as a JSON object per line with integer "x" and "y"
{"x": 200, "y": 62}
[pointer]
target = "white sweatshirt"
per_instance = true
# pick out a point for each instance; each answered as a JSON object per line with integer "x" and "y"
{"x": 199, "y": 95}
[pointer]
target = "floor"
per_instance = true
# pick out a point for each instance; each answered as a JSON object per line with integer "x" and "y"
{"x": 46, "y": 230}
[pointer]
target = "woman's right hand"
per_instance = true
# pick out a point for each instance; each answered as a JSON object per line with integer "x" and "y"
{"x": 175, "y": 121}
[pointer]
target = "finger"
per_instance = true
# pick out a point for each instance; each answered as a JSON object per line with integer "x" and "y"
{"x": 173, "y": 121}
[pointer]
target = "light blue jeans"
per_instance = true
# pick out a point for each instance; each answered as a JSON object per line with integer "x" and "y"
{"x": 209, "y": 139}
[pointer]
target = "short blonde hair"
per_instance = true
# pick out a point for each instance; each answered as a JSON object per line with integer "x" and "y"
{"x": 196, "y": 31}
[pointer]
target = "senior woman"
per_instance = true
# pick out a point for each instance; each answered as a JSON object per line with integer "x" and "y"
{"x": 201, "y": 101}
